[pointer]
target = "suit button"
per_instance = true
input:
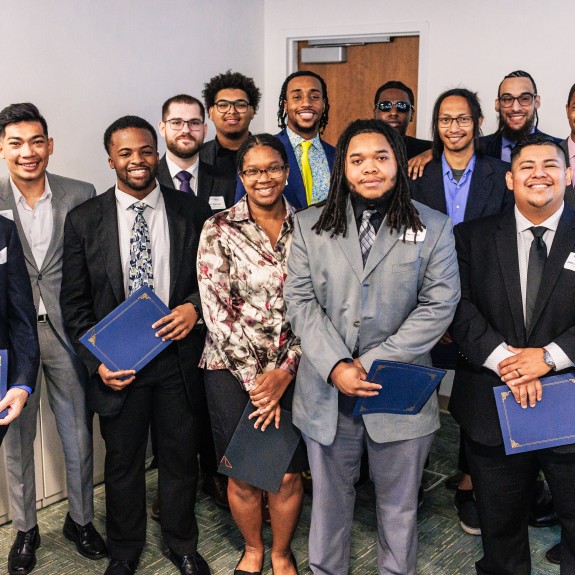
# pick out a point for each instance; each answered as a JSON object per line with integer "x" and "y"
{"x": 356, "y": 323}
{"x": 39, "y": 276}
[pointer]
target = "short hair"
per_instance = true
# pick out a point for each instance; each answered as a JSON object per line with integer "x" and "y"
{"x": 231, "y": 81}
{"x": 476, "y": 113}
{"x": 520, "y": 74}
{"x": 24, "y": 112}
{"x": 537, "y": 139}
{"x": 124, "y": 123}
{"x": 401, "y": 213}
{"x": 182, "y": 99}
{"x": 395, "y": 85}
{"x": 282, "y": 114}
{"x": 255, "y": 140}
{"x": 571, "y": 92}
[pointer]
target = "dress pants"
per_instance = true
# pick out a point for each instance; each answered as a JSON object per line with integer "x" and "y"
{"x": 157, "y": 394}
{"x": 395, "y": 468}
{"x": 3, "y": 430}
{"x": 503, "y": 484}
{"x": 65, "y": 377}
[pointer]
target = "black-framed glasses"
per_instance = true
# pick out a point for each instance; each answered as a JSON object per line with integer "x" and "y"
{"x": 254, "y": 174}
{"x": 525, "y": 99}
{"x": 177, "y": 124}
{"x": 240, "y": 106}
{"x": 462, "y": 121}
{"x": 400, "y": 106}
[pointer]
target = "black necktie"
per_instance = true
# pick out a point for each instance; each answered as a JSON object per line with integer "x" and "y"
{"x": 537, "y": 258}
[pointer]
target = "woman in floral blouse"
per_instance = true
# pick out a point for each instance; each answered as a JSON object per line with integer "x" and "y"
{"x": 251, "y": 353}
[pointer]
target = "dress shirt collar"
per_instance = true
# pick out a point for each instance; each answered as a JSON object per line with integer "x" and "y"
{"x": 512, "y": 143}
{"x": 19, "y": 198}
{"x": 359, "y": 205}
{"x": 447, "y": 170}
{"x": 175, "y": 169}
{"x": 296, "y": 140}
{"x": 550, "y": 223}
{"x": 240, "y": 212}
{"x": 151, "y": 200}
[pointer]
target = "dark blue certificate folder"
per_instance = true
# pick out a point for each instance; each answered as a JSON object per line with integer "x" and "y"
{"x": 548, "y": 424}
{"x": 260, "y": 458}
{"x": 124, "y": 339}
{"x": 3, "y": 378}
{"x": 405, "y": 388}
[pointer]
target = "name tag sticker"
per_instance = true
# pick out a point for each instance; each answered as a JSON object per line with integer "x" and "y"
{"x": 411, "y": 236}
{"x": 8, "y": 214}
{"x": 3, "y": 255}
{"x": 217, "y": 203}
{"x": 570, "y": 262}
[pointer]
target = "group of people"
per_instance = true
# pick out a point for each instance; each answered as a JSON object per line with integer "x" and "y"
{"x": 290, "y": 266}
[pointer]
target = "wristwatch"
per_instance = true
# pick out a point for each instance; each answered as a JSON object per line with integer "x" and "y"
{"x": 547, "y": 359}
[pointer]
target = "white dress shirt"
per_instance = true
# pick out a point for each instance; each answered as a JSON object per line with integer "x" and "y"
{"x": 37, "y": 223}
{"x": 192, "y": 170}
{"x": 157, "y": 221}
{"x": 524, "y": 239}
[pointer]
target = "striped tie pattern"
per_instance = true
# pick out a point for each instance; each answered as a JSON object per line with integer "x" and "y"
{"x": 366, "y": 234}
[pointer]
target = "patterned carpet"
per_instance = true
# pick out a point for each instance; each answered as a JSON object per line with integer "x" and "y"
{"x": 444, "y": 548}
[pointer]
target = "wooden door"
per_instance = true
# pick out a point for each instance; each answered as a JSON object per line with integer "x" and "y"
{"x": 352, "y": 85}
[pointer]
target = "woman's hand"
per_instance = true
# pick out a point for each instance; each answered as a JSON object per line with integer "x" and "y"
{"x": 270, "y": 386}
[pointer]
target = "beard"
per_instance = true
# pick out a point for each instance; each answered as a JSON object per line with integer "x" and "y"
{"x": 516, "y": 135}
{"x": 186, "y": 153}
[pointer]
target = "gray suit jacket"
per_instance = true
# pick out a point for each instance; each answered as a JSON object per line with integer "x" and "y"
{"x": 46, "y": 281}
{"x": 403, "y": 301}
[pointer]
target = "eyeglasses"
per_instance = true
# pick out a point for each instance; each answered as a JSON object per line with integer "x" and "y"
{"x": 400, "y": 106}
{"x": 525, "y": 99}
{"x": 240, "y": 106}
{"x": 462, "y": 121}
{"x": 177, "y": 124}
{"x": 254, "y": 174}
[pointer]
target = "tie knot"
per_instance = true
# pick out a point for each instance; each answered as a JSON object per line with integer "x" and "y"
{"x": 139, "y": 207}
{"x": 184, "y": 176}
{"x": 366, "y": 216}
{"x": 305, "y": 145}
{"x": 538, "y": 231}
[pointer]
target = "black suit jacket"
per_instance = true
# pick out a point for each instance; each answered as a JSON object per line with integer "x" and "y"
{"x": 18, "y": 318}
{"x": 491, "y": 145}
{"x": 490, "y": 312}
{"x": 222, "y": 184}
{"x": 570, "y": 189}
{"x": 93, "y": 284}
{"x": 415, "y": 146}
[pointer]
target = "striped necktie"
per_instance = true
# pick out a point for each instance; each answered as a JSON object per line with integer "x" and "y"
{"x": 366, "y": 234}
{"x": 306, "y": 170}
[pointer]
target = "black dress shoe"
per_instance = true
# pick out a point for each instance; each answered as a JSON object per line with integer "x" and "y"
{"x": 121, "y": 567}
{"x": 216, "y": 486}
{"x": 22, "y": 556}
{"x": 242, "y": 572}
{"x": 88, "y": 541}
{"x": 541, "y": 510}
{"x": 192, "y": 564}
{"x": 452, "y": 482}
{"x": 553, "y": 555}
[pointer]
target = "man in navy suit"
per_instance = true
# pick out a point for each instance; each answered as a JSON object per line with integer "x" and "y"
{"x": 18, "y": 332}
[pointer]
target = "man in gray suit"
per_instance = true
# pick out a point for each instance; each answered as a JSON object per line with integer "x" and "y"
{"x": 371, "y": 275}
{"x": 38, "y": 203}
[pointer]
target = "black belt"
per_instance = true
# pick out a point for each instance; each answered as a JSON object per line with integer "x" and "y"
{"x": 43, "y": 318}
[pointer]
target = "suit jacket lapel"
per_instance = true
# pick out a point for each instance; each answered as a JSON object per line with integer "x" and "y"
{"x": 350, "y": 244}
{"x": 110, "y": 243}
{"x": 177, "y": 230}
{"x": 506, "y": 242}
{"x": 432, "y": 187}
{"x": 59, "y": 211}
{"x": 384, "y": 241}
{"x": 561, "y": 248}
{"x": 205, "y": 182}
{"x": 480, "y": 189}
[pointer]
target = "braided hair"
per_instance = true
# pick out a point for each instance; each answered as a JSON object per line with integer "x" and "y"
{"x": 282, "y": 114}
{"x": 401, "y": 214}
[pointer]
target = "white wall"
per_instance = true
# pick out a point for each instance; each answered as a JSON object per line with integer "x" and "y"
{"x": 469, "y": 43}
{"x": 85, "y": 63}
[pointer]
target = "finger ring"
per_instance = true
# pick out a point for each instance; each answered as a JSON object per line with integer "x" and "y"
{"x": 265, "y": 399}
{"x": 518, "y": 372}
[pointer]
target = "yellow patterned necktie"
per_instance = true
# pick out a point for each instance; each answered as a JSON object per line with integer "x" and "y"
{"x": 306, "y": 170}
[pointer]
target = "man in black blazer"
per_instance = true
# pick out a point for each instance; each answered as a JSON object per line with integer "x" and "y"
{"x": 515, "y": 323}
{"x": 99, "y": 271}
{"x": 18, "y": 333}
{"x": 568, "y": 144}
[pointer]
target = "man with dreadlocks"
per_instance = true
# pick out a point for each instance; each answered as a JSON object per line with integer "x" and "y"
{"x": 371, "y": 275}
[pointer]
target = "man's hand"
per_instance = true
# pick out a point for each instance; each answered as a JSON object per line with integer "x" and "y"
{"x": 525, "y": 366}
{"x": 349, "y": 378}
{"x": 117, "y": 380}
{"x": 531, "y": 392}
{"x": 178, "y": 323}
{"x": 446, "y": 339}
{"x": 417, "y": 164}
{"x": 270, "y": 386}
{"x": 14, "y": 401}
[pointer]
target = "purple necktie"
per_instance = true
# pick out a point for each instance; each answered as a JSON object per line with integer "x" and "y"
{"x": 184, "y": 178}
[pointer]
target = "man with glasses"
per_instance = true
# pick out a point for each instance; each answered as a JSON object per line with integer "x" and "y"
{"x": 232, "y": 100}
{"x": 394, "y": 104}
{"x": 465, "y": 186}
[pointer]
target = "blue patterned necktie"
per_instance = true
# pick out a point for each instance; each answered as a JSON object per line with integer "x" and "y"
{"x": 141, "y": 271}
{"x": 366, "y": 234}
{"x": 184, "y": 179}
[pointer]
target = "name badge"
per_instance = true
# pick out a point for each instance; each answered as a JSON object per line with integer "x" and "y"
{"x": 8, "y": 214}
{"x": 570, "y": 262}
{"x": 3, "y": 256}
{"x": 217, "y": 203}
{"x": 411, "y": 236}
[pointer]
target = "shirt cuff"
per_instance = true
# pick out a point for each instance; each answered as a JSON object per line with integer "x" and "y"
{"x": 24, "y": 387}
{"x": 496, "y": 357}
{"x": 558, "y": 356}
{"x": 346, "y": 360}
